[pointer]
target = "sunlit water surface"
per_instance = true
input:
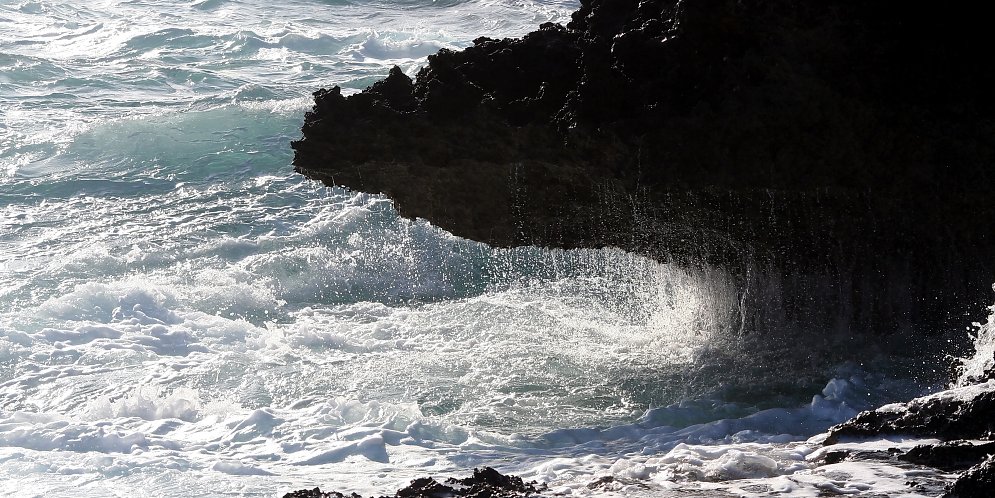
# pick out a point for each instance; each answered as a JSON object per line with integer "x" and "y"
{"x": 181, "y": 315}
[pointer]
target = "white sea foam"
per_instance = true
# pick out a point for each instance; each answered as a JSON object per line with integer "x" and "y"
{"x": 183, "y": 404}
{"x": 181, "y": 314}
{"x": 982, "y": 362}
{"x": 392, "y": 47}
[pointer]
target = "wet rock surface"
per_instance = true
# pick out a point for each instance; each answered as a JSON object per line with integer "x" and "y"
{"x": 978, "y": 482}
{"x": 960, "y": 413}
{"x": 484, "y": 483}
{"x": 952, "y": 455}
{"x": 963, "y": 417}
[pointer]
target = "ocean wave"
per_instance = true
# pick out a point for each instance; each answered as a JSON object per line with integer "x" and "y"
{"x": 311, "y": 43}
{"x": 24, "y": 69}
{"x": 167, "y": 39}
{"x": 389, "y": 46}
{"x": 208, "y": 4}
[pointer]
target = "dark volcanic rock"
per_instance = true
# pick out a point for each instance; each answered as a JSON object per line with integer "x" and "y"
{"x": 959, "y": 413}
{"x": 953, "y": 455}
{"x": 487, "y": 482}
{"x": 484, "y": 483}
{"x": 426, "y": 487}
{"x": 978, "y": 482}
{"x": 317, "y": 493}
{"x": 956, "y": 415}
{"x": 834, "y": 157}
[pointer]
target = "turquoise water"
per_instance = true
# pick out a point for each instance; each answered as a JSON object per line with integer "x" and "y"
{"x": 181, "y": 315}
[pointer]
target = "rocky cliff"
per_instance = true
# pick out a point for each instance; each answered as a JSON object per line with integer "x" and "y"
{"x": 834, "y": 157}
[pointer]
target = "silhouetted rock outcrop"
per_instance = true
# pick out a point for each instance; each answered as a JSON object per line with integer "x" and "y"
{"x": 484, "y": 483}
{"x": 835, "y": 157}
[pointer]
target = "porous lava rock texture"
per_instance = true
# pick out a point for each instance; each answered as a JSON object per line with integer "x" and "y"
{"x": 834, "y": 157}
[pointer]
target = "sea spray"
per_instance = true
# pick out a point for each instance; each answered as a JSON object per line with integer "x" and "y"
{"x": 181, "y": 315}
{"x": 981, "y": 365}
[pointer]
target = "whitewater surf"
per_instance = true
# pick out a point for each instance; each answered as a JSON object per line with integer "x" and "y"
{"x": 182, "y": 315}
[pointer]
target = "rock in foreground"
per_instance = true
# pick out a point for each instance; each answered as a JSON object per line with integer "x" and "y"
{"x": 484, "y": 483}
{"x": 978, "y": 482}
{"x": 963, "y": 416}
{"x": 834, "y": 157}
{"x": 959, "y": 413}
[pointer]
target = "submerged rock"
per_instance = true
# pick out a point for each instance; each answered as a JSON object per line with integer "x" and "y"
{"x": 834, "y": 157}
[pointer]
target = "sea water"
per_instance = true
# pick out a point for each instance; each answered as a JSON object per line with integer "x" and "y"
{"x": 182, "y": 315}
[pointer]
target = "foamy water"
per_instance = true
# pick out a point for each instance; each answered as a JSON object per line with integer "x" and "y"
{"x": 181, "y": 315}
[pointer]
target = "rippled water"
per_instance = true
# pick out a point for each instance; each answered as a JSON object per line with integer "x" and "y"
{"x": 181, "y": 315}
